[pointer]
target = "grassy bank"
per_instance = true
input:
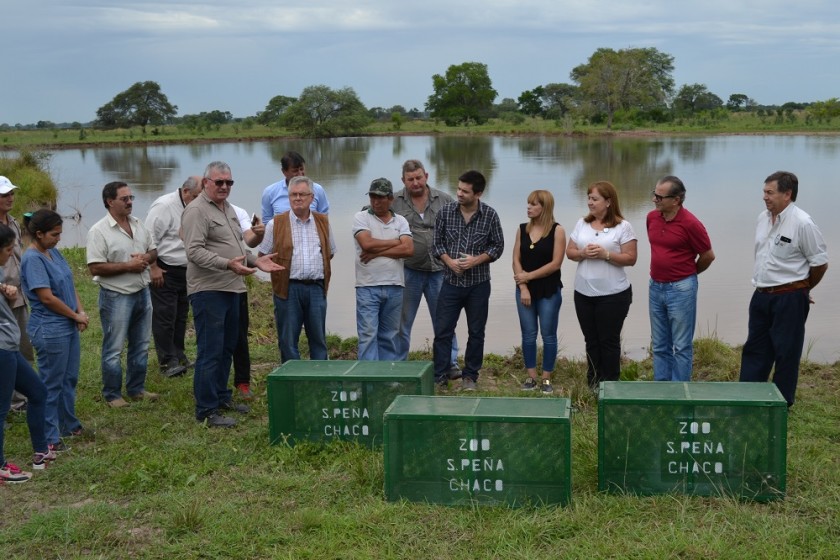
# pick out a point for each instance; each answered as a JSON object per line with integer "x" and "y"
{"x": 152, "y": 483}
{"x": 733, "y": 123}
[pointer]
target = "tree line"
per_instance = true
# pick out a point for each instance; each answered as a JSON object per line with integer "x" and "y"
{"x": 633, "y": 85}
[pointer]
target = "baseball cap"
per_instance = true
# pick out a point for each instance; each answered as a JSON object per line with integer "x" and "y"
{"x": 381, "y": 187}
{"x": 6, "y": 186}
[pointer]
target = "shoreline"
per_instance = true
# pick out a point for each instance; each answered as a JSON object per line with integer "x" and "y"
{"x": 641, "y": 133}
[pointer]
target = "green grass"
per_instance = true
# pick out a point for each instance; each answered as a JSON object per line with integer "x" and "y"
{"x": 152, "y": 483}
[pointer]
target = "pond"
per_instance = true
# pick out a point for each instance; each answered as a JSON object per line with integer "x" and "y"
{"x": 723, "y": 175}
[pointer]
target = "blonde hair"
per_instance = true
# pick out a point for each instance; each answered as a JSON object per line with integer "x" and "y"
{"x": 546, "y": 218}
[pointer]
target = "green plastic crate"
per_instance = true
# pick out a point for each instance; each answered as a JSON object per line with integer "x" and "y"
{"x": 488, "y": 450}
{"x": 324, "y": 400}
{"x": 706, "y": 439}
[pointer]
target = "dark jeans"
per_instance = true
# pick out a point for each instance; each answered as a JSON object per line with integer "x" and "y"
{"x": 242, "y": 353}
{"x": 776, "y": 335}
{"x": 170, "y": 308}
{"x": 474, "y": 300}
{"x": 216, "y": 317}
{"x": 601, "y": 319}
{"x": 18, "y": 375}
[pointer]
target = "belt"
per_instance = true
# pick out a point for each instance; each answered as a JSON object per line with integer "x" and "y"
{"x": 309, "y": 282}
{"x": 784, "y": 288}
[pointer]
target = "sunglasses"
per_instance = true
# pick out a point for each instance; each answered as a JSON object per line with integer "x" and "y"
{"x": 221, "y": 182}
{"x": 128, "y": 198}
{"x": 660, "y": 198}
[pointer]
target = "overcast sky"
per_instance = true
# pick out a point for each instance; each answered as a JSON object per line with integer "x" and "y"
{"x": 62, "y": 59}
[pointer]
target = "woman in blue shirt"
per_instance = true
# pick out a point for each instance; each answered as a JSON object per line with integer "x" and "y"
{"x": 55, "y": 321}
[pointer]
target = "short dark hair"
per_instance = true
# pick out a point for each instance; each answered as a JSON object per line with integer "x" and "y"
{"x": 43, "y": 220}
{"x": 474, "y": 178}
{"x": 109, "y": 191}
{"x": 7, "y": 236}
{"x": 786, "y": 181}
{"x": 291, "y": 160}
{"x": 677, "y": 186}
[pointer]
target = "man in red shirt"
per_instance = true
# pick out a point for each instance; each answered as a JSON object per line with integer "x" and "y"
{"x": 680, "y": 250}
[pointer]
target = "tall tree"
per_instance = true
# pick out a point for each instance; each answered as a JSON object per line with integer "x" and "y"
{"x": 277, "y": 105}
{"x": 324, "y": 112}
{"x": 559, "y": 99}
{"x": 463, "y": 95}
{"x": 141, "y": 104}
{"x": 531, "y": 102}
{"x": 694, "y": 98}
{"x": 633, "y": 78}
{"x": 737, "y": 101}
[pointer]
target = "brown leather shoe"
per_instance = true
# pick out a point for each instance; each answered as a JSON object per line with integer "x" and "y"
{"x": 118, "y": 403}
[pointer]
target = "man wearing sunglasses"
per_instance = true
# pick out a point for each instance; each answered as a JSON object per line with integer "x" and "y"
{"x": 680, "y": 249}
{"x": 119, "y": 252}
{"x": 217, "y": 261}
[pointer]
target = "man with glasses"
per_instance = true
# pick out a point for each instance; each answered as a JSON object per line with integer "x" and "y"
{"x": 217, "y": 261}
{"x": 790, "y": 260}
{"x": 119, "y": 252}
{"x": 303, "y": 243}
{"x": 680, "y": 250}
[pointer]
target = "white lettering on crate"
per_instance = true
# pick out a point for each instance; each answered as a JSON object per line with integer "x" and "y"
{"x": 694, "y": 455}
{"x": 475, "y": 474}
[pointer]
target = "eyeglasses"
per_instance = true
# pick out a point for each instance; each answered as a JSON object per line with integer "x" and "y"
{"x": 221, "y": 182}
{"x": 128, "y": 198}
{"x": 300, "y": 195}
{"x": 660, "y": 198}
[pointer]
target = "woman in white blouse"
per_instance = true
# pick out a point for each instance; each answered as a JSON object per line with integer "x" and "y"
{"x": 602, "y": 244}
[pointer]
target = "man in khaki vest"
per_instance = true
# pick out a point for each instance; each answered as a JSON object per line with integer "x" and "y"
{"x": 303, "y": 243}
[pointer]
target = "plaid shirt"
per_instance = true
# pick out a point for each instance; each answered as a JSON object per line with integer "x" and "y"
{"x": 453, "y": 236}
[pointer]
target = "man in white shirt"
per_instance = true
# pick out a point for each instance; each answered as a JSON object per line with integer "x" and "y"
{"x": 790, "y": 260}
{"x": 383, "y": 239}
{"x": 170, "y": 306}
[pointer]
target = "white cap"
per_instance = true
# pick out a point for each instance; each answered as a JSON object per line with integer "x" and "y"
{"x": 6, "y": 186}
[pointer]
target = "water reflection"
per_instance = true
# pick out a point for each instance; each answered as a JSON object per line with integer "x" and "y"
{"x": 143, "y": 168}
{"x": 338, "y": 157}
{"x": 723, "y": 175}
{"x": 452, "y": 155}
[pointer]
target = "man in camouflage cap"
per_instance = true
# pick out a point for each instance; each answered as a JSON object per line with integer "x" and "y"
{"x": 383, "y": 239}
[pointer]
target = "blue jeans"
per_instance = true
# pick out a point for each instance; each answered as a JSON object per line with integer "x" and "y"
{"x": 124, "y": 317}
{"x": 306, "y": 306}
{"x": 216, "y": 316}
{"x": 673, "y": 313}
{"x": 18, "y": 375}
{"x": 58, "y": 366}
{"x": 542, "y": 314}
{"x": 420, "y": 283}
{"x": 378, "y": 321}
{"x": 474, "y": 300}
{"x": 775, "y": 339}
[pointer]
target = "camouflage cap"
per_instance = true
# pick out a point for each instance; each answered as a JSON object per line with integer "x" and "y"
{"x": 381, "y": 187}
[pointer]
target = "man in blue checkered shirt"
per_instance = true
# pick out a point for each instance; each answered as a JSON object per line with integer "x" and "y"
{"x": 468, "y": 237}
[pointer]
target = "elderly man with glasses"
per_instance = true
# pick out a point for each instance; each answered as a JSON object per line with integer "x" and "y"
{"x": 119, "y": 252}
{"x": 680, "y": 249}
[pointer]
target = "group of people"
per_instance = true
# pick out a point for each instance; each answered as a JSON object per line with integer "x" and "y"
{"x": 192, "y": 251}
